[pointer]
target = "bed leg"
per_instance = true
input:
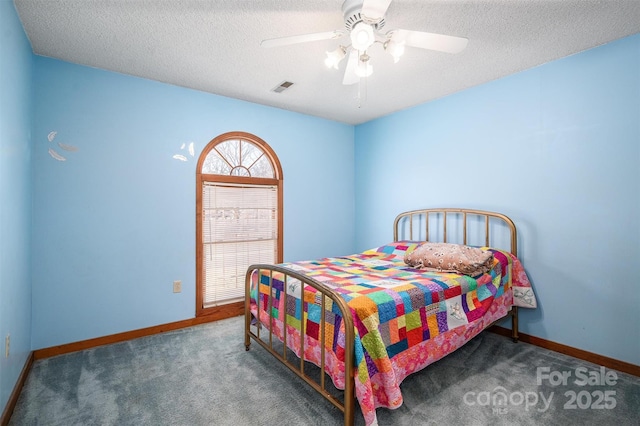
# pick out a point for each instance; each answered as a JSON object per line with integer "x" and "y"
{"x": 514, "y": 325}
{"x": 247, "y": 329}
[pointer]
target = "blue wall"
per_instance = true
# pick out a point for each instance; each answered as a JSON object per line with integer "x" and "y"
{"x": 15, "y": 197}
{"x": 556, "y": 148}
{"x": 115, "y": 222}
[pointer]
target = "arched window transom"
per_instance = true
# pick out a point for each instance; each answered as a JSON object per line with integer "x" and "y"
{"x": 238, "y": 157}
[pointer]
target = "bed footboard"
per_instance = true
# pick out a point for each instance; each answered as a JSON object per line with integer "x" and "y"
{"x": 347, "y": 404}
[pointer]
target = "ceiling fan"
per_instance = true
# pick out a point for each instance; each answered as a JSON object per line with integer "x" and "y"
{"x": 364, "y": 20}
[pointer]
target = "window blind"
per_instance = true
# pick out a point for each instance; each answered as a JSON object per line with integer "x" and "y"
{"x": 240, "y": 228}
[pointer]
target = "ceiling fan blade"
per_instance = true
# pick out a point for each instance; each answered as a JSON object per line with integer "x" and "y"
{"x": 302, "y": 38}
{"x": 350, "y": 76}
{"x": 375, "y": 9}
{"x": 422, "y": 40}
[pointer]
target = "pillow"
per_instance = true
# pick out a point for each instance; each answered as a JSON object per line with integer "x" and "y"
{"x": 447, "y": 257}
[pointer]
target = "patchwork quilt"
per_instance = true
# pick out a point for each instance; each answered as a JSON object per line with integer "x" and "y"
{"x": 404, "y": 318}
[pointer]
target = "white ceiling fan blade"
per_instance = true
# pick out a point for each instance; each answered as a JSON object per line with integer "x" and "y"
{"x": 350, "y": 76}
{"x": 375, "y": 9}
{"x": 439, "y": 42}
{"x": 302, "y": 38}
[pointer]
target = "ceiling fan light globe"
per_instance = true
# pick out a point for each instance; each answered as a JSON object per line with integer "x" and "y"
{"x": 334, "y": 57}
{"x": 362, "y": 36}
{"x": 395, "y": 49}
{"x": 364, "y": 69}
{"x": 329, "y": 62}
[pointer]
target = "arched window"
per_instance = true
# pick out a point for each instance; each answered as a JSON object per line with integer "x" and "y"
{"x": 238, "y": 217}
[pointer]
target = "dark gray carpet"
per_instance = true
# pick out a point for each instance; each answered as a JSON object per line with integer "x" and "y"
{"x": 203, "y": 376}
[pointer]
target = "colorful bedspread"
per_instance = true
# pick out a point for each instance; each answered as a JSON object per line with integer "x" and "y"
{"x": 405, "y": 318}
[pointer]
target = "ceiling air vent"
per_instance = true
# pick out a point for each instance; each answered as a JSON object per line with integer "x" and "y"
{"x": 282, "y": 87}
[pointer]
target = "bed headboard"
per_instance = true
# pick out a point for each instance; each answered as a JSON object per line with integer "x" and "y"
{"x": 461, "y": 226}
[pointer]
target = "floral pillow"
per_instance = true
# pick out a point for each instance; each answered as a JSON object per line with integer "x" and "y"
{"x": 447, "y": 257}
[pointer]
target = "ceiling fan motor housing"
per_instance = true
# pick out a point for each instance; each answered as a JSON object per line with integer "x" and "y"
{"x": 351, "y": 13}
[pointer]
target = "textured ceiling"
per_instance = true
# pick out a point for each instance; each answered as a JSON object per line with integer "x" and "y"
{"x": 214, "y": 46}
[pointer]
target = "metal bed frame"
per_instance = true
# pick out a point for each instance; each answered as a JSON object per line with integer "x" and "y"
{"x": 424, "y": 217}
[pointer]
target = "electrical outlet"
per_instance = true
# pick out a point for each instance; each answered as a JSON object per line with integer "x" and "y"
{"x": 7, "y": 343}
{"x": 177, "y": 286}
